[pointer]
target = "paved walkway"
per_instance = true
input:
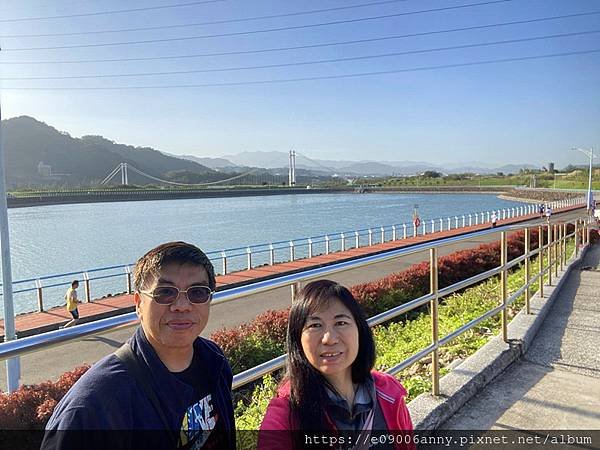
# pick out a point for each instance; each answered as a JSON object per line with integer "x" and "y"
{"x": 556, "y": 385}
{"x": 34, "y": 323}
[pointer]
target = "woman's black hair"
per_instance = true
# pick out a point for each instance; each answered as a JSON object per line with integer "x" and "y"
{"x": 307, "y": 384}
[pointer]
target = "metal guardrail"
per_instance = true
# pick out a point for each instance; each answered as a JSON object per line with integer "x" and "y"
{"x": 555, "y": 248}
{"x": 251, "y": 256}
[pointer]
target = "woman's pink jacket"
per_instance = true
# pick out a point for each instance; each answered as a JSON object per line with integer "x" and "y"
{"x": 390, "y": 396}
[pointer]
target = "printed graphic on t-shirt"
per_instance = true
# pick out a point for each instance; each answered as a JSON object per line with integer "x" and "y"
{"x": 198, "y": 421}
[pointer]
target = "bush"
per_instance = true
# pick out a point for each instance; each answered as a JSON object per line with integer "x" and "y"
{"x": 30, "y": 406}
{"x": 253, "y": 343}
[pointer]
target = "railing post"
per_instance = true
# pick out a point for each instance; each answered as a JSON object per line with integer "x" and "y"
{"x": 40, "y": 297}
{"x": 224, "y": 259}
{"x": 432, "y": 226}
{"x": 455, "y": 221}
{"x": 128, "y": 275}
{"x": 565, "y": 234}
{"x": 343, "y": 241}
{"x": 271, "y": 254}
{"x": 382, "y": 235}
{"x": 503, "y": 284}
{"x": 86, "y": 280}
{"x": 449, "y": 224}
{"x": 292, "y": 251}
{"x": 476, "y": 219}
{"x": 294, "y": 288}
{"x": 527, "y": 269}
{"x": 327, "y": 244}
{"x": 310, "y": 248}
{"x": 356, "y": 239}
{"x": 470, "y": 220}
{"x": 541, "y": 260}
{"x": 249, "y": 257}
{"x": 433, "y": 283}
{"x": 557, "y": 255}
{"x": 370, "y": 237}
{"x": 441, "y": 225}
{"x": 561, "y": 252}
{"x": 463, "y": 221}
{"x": 576, "y": 238}
{"x": 394, "y": 235}
{"x": 414, "y": 229}
{"x": 550, "y": 244}
{"x": 487, "y": 217}
{"x": 404, "y": 231}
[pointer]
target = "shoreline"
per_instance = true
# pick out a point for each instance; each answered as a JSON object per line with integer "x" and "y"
{"x": 127, "y": 195}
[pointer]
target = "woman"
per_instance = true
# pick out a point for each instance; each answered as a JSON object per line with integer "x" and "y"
{"x": 330, "y": 384}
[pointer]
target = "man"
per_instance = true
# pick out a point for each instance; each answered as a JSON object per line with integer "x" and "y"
{"x": 494, "y": 219}
{"x": 181, "y": 398}
{"x": 72, "y": 301}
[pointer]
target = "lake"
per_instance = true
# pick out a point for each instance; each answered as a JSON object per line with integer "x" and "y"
{"x": 68, "y": 238}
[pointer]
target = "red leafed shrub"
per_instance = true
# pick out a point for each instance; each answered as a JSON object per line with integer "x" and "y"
{"x": 253, "y": 343}
{"x": 230, "y": 338}
{"x": 271, "y": 324}
{"x": 30, "y": 406}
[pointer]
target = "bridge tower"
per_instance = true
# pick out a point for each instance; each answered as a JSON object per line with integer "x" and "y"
{"x": 292, "y": 169}
{"x": 124, "y": 175}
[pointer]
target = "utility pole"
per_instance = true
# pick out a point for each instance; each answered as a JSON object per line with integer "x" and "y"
{"x": 590, "y": 197}
{"x": 12, "y": 365}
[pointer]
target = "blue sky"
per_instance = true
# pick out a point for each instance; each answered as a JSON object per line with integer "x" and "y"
{"x": 528, "y": 111}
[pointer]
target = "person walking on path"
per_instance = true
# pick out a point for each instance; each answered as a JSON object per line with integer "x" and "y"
{"x": 548, "y": 213}
{"x": 72, "y": 301}
{"x": 494, "y": 219}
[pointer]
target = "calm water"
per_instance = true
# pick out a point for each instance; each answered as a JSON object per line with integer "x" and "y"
{"x": 68, "y": 238}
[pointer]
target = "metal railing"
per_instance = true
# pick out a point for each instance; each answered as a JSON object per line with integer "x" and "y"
{"x": 252, "y": 256}
{"x": 554, "y": 248}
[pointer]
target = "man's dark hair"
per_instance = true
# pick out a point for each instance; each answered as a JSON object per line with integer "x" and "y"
{"x": 178, "y": 252}
{"x": 74, "y": 283}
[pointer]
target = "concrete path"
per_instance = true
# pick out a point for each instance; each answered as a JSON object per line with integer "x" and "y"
{"x": 556, "y": 385}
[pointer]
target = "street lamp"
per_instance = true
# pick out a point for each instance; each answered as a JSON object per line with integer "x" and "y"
{"x": 590, "y": 154}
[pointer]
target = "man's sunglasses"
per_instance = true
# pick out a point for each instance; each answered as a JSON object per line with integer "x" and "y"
{"x": 165, "y": 295}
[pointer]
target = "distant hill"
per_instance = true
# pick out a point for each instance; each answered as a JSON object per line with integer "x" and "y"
{"x": 38, "y": 154}
{"x": 212, "y": 163}
{"x": 276, "y": 159}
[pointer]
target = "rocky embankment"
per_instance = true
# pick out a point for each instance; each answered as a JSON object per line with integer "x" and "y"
{"x": 539, "y": 195}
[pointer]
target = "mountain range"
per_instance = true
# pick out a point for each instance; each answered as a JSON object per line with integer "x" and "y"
{"x": 274, "y": 159}
{"x": 38, "y": 154}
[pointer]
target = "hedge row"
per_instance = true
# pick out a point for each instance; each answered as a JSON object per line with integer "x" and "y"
{"x": 264, "y": 338}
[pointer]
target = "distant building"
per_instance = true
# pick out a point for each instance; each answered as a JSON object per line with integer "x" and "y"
{"x": 44, "y": 170}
